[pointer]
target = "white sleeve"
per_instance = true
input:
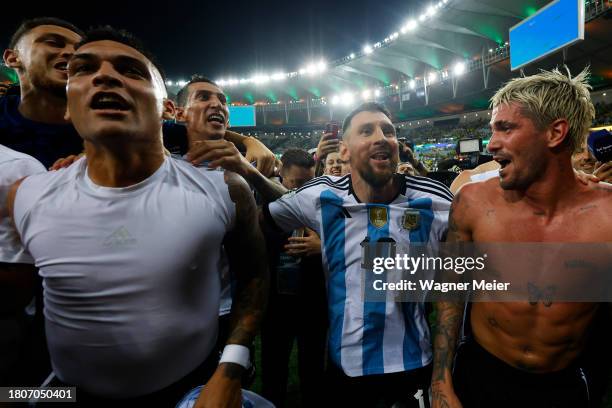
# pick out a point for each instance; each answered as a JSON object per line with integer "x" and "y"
{"x": 294, "y": 209}
{"x": 11, "y": 248}
{"x": 440, "y": 226}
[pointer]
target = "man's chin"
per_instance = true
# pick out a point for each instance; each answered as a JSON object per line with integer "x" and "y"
{"x": 214, "y": 132}
{"x": 56, "y": 86}
{"x": 377, "y": 178}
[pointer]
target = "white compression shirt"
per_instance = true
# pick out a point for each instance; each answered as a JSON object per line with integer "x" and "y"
{"x": 13, "y": 166}
{"x": 131, "y": 275}
{"x": 485, "y": 176}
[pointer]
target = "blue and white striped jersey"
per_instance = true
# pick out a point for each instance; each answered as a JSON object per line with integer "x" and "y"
{"x": 367, "y": 337}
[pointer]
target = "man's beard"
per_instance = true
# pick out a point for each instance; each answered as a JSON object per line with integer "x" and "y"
{"x": 377, "y": 180}
{"x": 57, "y": 89}
{"x": 531, "y": 174}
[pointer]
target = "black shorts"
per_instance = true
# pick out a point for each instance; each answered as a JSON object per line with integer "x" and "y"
{"x": 481, "y": 380}
{"x": 407, "y": 389}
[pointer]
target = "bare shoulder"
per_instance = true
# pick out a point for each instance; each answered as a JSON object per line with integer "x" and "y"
{"x": 478, "y": 191}
{"x": 601, "y": 195}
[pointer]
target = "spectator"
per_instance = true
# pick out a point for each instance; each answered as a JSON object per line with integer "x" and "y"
{"x": 296, "y": 308}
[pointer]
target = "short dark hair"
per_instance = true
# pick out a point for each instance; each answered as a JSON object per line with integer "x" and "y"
{"x": 29, "y": 24}
{"x": 108, "y": 33}
{"x": 183, "y": 94}
{"x": 297, "y": 157}
{"x": 365, "y": 107}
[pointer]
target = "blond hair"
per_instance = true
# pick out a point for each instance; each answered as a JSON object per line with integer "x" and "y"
{"x": 551, "y": 95}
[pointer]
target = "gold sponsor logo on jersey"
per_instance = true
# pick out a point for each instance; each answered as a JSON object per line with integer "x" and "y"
{"x": 411, "y": 220}
{"x": 378, "y": 216}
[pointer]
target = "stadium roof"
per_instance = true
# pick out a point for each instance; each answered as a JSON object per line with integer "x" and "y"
{"x": 452, "y": 31}
{"x": 449, "y": 34}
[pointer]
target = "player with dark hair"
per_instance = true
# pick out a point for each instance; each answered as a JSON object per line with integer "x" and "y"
{"x": 131, "y": 316}
{"x": 380, "y": 351}
{"x": 34, "y": 122}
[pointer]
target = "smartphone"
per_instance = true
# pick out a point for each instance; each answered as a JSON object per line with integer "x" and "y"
{"x": 333, "y": 129}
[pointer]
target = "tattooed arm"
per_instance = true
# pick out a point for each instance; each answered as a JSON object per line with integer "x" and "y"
{"x": 449, "y": 317}
{"x": 246, "y": 252}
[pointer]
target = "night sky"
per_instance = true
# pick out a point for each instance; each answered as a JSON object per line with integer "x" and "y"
{"x": 234, "y": 38}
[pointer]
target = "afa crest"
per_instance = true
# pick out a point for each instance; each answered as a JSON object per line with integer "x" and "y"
{"x": 379, "y": 216}
{"x": 411, "y": 220}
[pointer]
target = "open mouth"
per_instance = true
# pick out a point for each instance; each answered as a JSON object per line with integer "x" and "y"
{"x": 61, "y": 66}
{"x": 503, "y": 162}
{"x": 109, "y": 101}
{"x": 381, "y": 156}
{"x": 216, "y": 118}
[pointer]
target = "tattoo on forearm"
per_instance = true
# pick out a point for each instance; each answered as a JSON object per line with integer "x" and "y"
{"x": 248, "y": 260}
{"x": 445, "y": 338}
{"x": 268, "y": 189}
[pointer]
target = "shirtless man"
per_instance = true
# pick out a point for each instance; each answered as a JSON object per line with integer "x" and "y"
{"x": 525, "y": 354}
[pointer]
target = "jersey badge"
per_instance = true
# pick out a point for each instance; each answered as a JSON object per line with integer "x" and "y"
{"x": 378, "y": 216}
{"x": 411, "y": 220}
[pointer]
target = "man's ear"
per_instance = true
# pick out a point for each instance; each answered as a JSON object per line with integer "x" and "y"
{"x": 558, "y": 132}
{"x": 11, "y": 58}
{"x": 169, "y": 110}
{"x": 344, "y": 152}
{"x": 181, "y": 114}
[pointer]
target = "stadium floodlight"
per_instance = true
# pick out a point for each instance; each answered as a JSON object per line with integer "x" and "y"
{"x": 169, "y": 83}
{"x": 335, "y": 100}
{"x": 412, "y": 84}
{"x": 311, "y": 69}
{"x": 181, "y": 83}
{"x": 431, "y": 10}
{"x": 459, "y": 69}
{"x": 260, "y": 79}
{"x": 422, "y": 17}
{"x": 411, "y": 25}
{"x": 243, "y": 81}
{"x": 403, "y": 30}
{"x": 394, "y": 35}
{"x": 232, "y": 82}
{"x": 352, "y": 56}
{"x": 490, "y": 49}
{"x": 433, "y": 77}
{"x": 366, "y": 94}
{"x": 321, "y": 66}
{"x": 377, "y": 93}
{"x": 347, "y": 98}
{"x": 377, "y": 45}
{"x": 278, "y": 76}
{"x": 302, "y": 71}
{"x": 367, "y": 49}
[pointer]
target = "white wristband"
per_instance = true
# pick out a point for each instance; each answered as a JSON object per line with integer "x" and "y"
{"x": 237, "y": 354}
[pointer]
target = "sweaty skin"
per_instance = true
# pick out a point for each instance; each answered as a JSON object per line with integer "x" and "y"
{"x": 537, "y": 197}
{"x": 538, "y": 338}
